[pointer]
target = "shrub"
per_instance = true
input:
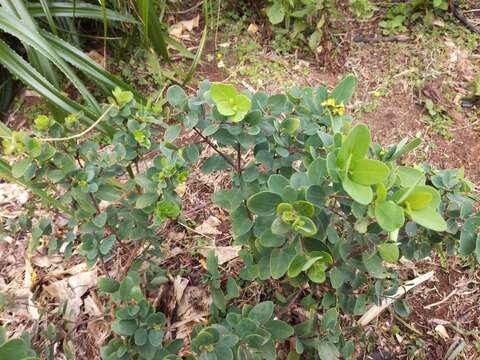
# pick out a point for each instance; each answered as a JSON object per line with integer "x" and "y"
{"x": 319, "y": 209}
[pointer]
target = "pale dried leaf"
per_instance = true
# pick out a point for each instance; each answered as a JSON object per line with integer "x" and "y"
{"x": 70, "y": 291}
{"x": 209, "y": 226}
{"x": 177, "y": 29}
{"x": 252, "y": 29}
{"x": 224, "y": 253}
{"x": 45, "y": 261}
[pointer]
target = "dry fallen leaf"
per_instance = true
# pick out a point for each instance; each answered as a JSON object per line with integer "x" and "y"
{"x": 209, "y": 226}
{"x": 440, "y": 330}
{"x": 224, "y": 253}
{"x": 13, "y": 193}
{"x": 45, "y": 261}
{"x": 71, "y": 290}
{"x": 177, "y": 29}
{"x": 252, "y": 29}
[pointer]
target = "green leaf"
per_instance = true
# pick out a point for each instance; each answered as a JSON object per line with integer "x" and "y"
{"x": 229, "y": 199}
{"x": 219, "y": 299}
{"x": 304, "y": 226}
{"x": 276, "y": 13}
{"x": 232, "y": 289}
{"x": 264, "y": 203}
{"x": 107, "y": 284}
{"x": 124, "y": 327}
{"x": 269, "y": 239}
{"x": 389, "y": 215}
{"x": 100, "y": 220}
{"x": 467, "y": 237}
{"x": 279, "y": 329}
{"x": 222, "y": 92}
{"x": 152, "y": 27}
{"x": 428, "y": 218}
{"x": 327, "y": 351}
{"x": 13, "y": 349}
{"x": 374, "y": 265}
{"x": 389, "y": 252}
{"x": 355, "y": 145}
{"x": 418, "y": 200}
{"x": 229, "y": 102}
{"x": 296, "y": 265}
{"x": 108, "y": 193}
{"x": 304, "y": 208}
{"x": 141, "y": 337}
{"x": 316, "y": 273}
{"x": 145, "y": 200}
{"x": 408, "y": 176}
{"x": 214, "y": 163}
{"x": 278, "y": 227}
{"x": 290, "y": 125}
{"x": 360, "y": 193}
{"x": 261, "y": 312}
{"x": 107, "y": 244}
{"x": 155, "y": 337}
{"x": 279, "y": 260}
{"x": 176, "y": 97}
{"x": 222, "y": 351}
{"x": 20, "y": 167}
{"x": 344, "y": 90}
{"x": 369, "y": 172}
{"x": 317, "y": 171}
{"x": 277, "y": 183}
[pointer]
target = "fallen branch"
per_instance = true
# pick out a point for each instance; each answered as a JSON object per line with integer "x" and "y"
{"x": 376, "y": 310}
{"x": 459, "y": 15}
{"x": 445, "y": 299}
{"x": 376, "y": 38}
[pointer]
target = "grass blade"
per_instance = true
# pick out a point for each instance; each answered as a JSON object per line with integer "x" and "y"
{"x": 201, "y": 46}
{"x": 152, "y": 27}
{"x": 79, "y": 10}
{"x": 31, "y": 77}
{"x": 51, "y": 22}
{"x": 6, "y": 90}
{"x": 22, "y": 30}
{"x": 85, "y": 64}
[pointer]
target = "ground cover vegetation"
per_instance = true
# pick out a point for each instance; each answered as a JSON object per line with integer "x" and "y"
{"x": 322, "y": 216}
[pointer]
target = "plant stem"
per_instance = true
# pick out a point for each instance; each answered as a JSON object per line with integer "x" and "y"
{"x": 214, "y": 147}
{"x": 239, "y": 160}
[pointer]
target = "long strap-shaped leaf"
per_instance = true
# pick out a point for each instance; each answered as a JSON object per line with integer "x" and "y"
{"x": 78, "y": 10}
{"x": 6, "y": 173}
{"x": 30, "y": 36}
{"x": 152, "y": 27}
{"x": 31, "y": 77}
{"x": 84, "y": 63}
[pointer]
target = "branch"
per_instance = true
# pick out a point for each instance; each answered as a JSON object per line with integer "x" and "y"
{"x": 459, "y": 15}
{"x": 214, "y": 147}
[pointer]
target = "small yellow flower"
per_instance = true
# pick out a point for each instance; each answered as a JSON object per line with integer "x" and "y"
{"x": 336, "y": 109}
{"x": 339, "y": 110}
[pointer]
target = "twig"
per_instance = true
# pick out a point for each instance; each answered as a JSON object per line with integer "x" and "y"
{"x": 289, "y": 304}
{"x": 180, "y": 12}
{"x": 239, "y": 160}
{"x": 404, "y": 323}
{"x": 102, "y": 117}
{"x": 441, "y": 301}
{"x": 376, "y": 310}
{"x": 376, "y": 38}
{"x": 214, "y": 147}
{"x": 459, "y": 15}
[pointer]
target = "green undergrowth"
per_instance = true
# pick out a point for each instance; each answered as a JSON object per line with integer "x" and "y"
{"x": 319, "y": 210}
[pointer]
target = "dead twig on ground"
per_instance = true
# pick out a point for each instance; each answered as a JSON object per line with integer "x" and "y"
{"x": 376, "y": 38}
{"x": 455, "y": 9}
